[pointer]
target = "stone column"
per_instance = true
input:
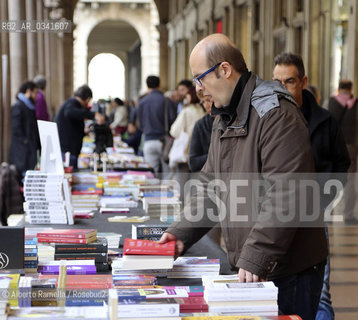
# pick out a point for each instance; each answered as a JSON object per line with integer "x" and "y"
{"x": 18, "y": 51}
{"x": 68, "y": 64}
{"x": 40, "y": 39}
{"x": 5, "y": 87}
{"x": 352, "y": 40}
{"x": 163, "y": 53}
{"x": 47, "y": 64}
{"x": 32, "y": 62}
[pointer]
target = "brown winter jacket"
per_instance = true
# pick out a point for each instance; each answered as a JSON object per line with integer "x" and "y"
{"x": 268, "y": 140}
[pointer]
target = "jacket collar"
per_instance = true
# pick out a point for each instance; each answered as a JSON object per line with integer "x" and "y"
{"x": 317, "y": 113}
{"x": 238, "y": 127}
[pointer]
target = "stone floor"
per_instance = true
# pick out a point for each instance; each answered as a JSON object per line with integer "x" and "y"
{"x": 344, "y": 270}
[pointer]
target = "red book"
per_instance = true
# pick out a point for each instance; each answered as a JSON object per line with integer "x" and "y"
{"x": 147, "y": 247}
{"x": 65, "y": 240}
{"x": 96, "y": 281}
{"x": 192, "y": 304}
{"x": 68, "y": 233}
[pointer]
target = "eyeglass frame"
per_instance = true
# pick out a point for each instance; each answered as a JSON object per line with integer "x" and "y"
{"x": 196, "y": 80}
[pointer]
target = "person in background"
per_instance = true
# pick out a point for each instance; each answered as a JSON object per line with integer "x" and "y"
{"x": 343, "y": 107}
{"x": 185, "y": 121}
{"x": 257, "y": 129}
{"x": 41, "y": 109}
{"x": 25, "y": 141}
{"x": 120, "y": 121}
{"x": 103, "y": 136}
{"x": 314, "y": 91}
{"x": 70, "y": 122}
{"x": 150, "y": 115}
{"x": 328, "y": 146}
{"x": 181, "y": 91}
{"x": 200, "y": 139}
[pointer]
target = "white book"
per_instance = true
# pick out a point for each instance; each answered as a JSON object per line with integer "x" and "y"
{"x": 149, "y": 308}
{"x": 143, "y": 262}
{"x": 245, "y": 309}
{"x": 69, "y": 262}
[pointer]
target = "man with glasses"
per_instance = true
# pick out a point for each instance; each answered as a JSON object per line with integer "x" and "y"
{"x": 258, "y": 130}
{"x": 328, "y": 146}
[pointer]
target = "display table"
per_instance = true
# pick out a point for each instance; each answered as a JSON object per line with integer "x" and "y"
{"x": 205, "y": 247}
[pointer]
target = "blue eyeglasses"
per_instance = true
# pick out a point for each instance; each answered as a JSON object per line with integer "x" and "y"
{"x": 197, "y": 81}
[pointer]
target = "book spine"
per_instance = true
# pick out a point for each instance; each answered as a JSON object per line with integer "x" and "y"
{"x": 68, "y": 240}
{"x": 82, "y": 248}
{"x": 62, "y": 236}
{"x": 99, "y": 257}
{"x": 84, "y": 302}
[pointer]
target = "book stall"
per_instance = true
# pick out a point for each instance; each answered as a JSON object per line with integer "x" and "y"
{"x": 87, "y": 250}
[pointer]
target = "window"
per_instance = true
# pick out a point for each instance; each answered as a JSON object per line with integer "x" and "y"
{"x": 279, "y": 44}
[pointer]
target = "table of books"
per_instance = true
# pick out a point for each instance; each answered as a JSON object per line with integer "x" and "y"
{"x": 154, "y": 298}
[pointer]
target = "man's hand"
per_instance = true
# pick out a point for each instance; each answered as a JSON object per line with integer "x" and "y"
{"x": 247, "y": 276}
{"x": 179, "y": 245}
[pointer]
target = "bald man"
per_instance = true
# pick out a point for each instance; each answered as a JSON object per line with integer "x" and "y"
{"x": 258, "y": 130}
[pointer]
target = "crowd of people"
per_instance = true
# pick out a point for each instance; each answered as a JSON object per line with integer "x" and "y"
{"x": 226, "y": 121}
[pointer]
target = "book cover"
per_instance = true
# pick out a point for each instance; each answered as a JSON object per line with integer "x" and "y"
{"x": 146, "y": 247}
{"x": 156, "y": 293}
{"x": 147, "y": 230}
{"x": 68, "y": 233}
{"x": 12, "y": 241}
{"x": 193, "y": 291}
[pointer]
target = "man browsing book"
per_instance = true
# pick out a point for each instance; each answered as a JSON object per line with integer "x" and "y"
{"x": 258, "y": 130}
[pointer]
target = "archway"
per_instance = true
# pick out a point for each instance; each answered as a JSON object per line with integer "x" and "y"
{"x": 143, "y": 19}
{"x": 113, "y": 83}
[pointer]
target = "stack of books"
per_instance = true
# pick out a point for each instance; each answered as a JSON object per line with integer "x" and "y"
{"x": 156, "y": 190}
{"x": 112, "y": 239}
{"x": 31, "y": 258}
{"x": 44, "y": 198}
{"x": 97, "y": 251}
{"x": 194, "y": 267}
{"x": 167, "y": 209}
{"x": 226, "y": 295}
{"x": 87, "y": 202}
{"x": 67, "y": 236}
{"x": 118, "y": 202}
{"x": 148, "y": 232}
{"x": 46, "y": 252}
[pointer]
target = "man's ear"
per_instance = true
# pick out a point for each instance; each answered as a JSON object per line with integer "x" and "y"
{"x": 304, "y": 82}
{"x": 226, "y": 69}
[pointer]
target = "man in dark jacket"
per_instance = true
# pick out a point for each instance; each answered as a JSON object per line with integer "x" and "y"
{"x": 150, "y": 115}
{"x": 200, "y": 138}
{"x": 25, "y": 141}
{"x": 343, "y": 107}
{"x": 328, "y": 146}
{"x": 70, "y": 122}
{"x": 258, "y": 130}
